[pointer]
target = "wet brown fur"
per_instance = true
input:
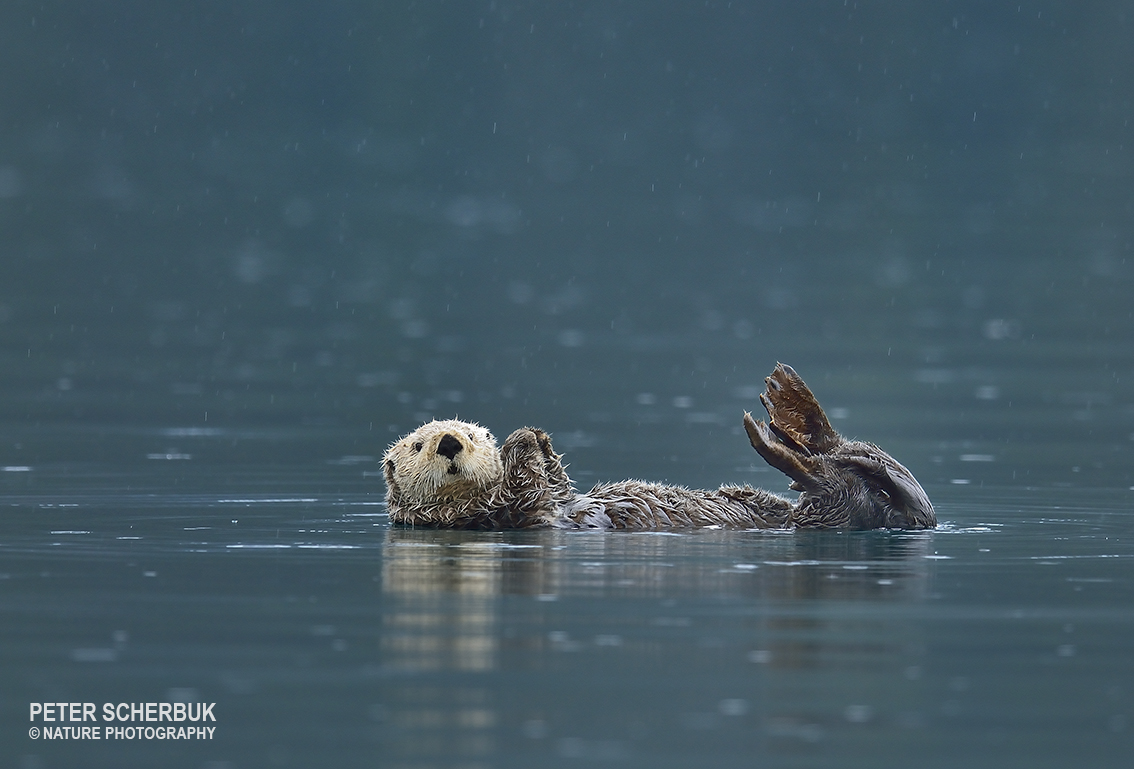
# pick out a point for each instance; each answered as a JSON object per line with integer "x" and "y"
{"x": 842, "y": 483}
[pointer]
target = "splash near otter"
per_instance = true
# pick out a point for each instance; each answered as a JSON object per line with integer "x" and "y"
{"x": 450, "y": 474}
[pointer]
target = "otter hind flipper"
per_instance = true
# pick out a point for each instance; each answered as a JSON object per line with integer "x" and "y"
{"x": 783, "y": 456}
{"x": 844, "y": 483}
{"x": 795, "y": 415}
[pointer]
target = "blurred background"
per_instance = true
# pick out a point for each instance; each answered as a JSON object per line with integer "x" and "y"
{"x": 607, "y": 219}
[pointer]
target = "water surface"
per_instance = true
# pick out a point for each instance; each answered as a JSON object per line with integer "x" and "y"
{"x": 321, "y": 631}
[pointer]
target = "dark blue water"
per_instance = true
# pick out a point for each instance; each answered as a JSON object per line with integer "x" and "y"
{"x": 243, "y": 248}
{"x": 321, "y": 632}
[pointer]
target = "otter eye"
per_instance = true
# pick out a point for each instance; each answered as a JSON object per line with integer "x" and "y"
{"x": 417, "y": 446}
{"x": 471, "y": 436}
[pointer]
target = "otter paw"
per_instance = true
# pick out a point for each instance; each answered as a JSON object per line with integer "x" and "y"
{"x": 522, "y": 443}
{"x": 544, "y": 441}
{"x": 560, "y": 483}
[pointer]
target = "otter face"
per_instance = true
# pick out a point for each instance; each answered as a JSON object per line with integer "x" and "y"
{"x": 440, "y": 461}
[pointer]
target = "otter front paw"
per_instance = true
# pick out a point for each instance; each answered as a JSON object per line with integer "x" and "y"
{"x": 527, "y": 492}
{"x": 522, "y": 447}
{"x": 557, "y": 478}
{"x": 543, "y": 441}
{"x": 531, "y": 462}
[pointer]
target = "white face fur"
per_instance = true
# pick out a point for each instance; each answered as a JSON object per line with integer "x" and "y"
{"x": 442, "y": 459}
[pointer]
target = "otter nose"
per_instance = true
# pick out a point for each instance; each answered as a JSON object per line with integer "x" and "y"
{"x": 449, "y": 446}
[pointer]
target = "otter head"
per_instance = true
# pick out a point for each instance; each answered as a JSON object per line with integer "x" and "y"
{"x": 439, "y": 462}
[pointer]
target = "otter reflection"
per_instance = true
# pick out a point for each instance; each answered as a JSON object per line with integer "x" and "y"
{"x": 446, "y": 620}
{"x": 443, "y": 619}
{"x": 427, "y": 565}
{"x": 493, "y": 630}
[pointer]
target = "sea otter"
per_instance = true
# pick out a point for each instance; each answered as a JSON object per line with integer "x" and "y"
{"x": 449, "y": 474}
